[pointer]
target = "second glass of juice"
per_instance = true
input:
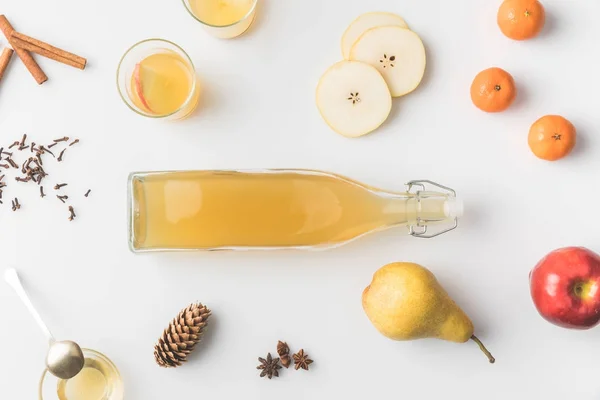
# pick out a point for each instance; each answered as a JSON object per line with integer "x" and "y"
{"x": 225, "y": 19}
{"x": 156, "y": 78}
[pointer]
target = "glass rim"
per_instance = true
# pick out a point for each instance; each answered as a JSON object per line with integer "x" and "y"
{"x": 246, "y": 16}
{"x": 191, "y": 95}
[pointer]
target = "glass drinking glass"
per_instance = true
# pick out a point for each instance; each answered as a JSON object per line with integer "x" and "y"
{"x": 224, "y": 19}
{"x": 99, "y": 375}
{"x": 157, "y": 79}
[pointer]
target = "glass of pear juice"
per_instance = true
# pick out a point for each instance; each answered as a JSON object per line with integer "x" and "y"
{"x": 157, "y": 79}
{"x": 224, "y": 19}
{"x": 98, "y": 380}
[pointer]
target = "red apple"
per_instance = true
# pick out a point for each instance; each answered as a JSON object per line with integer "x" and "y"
{"x": 565, "y": 287}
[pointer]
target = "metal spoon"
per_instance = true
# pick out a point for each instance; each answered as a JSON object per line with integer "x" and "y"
{"x": 65, "y": 358}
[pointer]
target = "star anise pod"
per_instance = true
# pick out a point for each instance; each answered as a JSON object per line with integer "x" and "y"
{"x": 284, "y": 353}
{"x": 269, "y": 366}
{"x": 301, "y": 360}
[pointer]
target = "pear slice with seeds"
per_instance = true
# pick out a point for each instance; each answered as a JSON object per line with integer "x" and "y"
{"x": 365, "y": 22}
{"x": 397, "y": 53}
{"x": 353, "y": 98}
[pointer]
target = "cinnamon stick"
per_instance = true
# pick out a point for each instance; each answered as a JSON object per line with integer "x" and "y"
{"x": 5, "y": 60}
{"x": 31, "y": 65}
{"x": 44, "y": 49}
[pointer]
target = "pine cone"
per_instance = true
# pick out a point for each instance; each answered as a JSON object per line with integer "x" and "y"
{"x": 182, "y": 335}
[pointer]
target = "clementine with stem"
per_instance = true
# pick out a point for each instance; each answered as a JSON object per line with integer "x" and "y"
{"x": 552, "y": 137}
{"x": 521, "y": 19}
{"x": 493, "y": 90}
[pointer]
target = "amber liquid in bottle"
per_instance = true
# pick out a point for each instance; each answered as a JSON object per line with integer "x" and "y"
{"x": 269, "y": 209}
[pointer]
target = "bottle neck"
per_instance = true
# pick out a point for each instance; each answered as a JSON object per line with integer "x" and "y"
{"x": 423, "y": 209}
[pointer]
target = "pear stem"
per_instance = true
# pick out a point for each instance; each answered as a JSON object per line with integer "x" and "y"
{"x": 485, "y": 351}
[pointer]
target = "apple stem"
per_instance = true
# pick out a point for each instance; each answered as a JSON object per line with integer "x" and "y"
{"x": 485, "y": 351}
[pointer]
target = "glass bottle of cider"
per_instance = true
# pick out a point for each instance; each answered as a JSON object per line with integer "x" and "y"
{"x": 273, "y": 209}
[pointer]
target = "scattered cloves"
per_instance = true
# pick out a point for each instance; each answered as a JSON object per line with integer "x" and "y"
{"x": 32, "y": 168}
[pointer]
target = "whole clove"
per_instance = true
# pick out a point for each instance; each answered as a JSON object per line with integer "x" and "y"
{"x": 62, "y": 139}
{"x": 74, "y": 142}
{"x": 44, "y": 150}
{"x": 59, "y": 185}
{"x": 60, "y": 156}
{"x": 42, "y": 194}
{"x": 72, "y": 216}
{"x": 62, "y": 198}
{"x": 87, "y": 193}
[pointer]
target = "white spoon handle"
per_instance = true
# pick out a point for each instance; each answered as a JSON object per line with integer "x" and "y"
{"x": 12, "y": 278}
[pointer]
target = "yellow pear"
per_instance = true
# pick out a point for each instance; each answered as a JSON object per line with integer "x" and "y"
{"x": 405, "y": 302}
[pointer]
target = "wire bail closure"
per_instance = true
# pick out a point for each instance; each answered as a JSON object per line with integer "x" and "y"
{"x": 420, "y": 229}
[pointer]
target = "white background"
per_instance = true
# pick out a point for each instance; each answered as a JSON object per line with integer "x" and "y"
{"x": 258, "y": 111}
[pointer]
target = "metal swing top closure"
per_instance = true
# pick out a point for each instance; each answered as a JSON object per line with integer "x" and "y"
{"x": 421, "y": 228}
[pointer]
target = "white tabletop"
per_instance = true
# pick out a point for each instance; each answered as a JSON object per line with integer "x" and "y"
{"x": 258, "y": 111}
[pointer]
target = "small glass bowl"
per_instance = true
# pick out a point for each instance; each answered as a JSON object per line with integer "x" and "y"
{"x": 49, "y": 384}
{"x": 229, "y": 31}
{"x": 137, "y": 53}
